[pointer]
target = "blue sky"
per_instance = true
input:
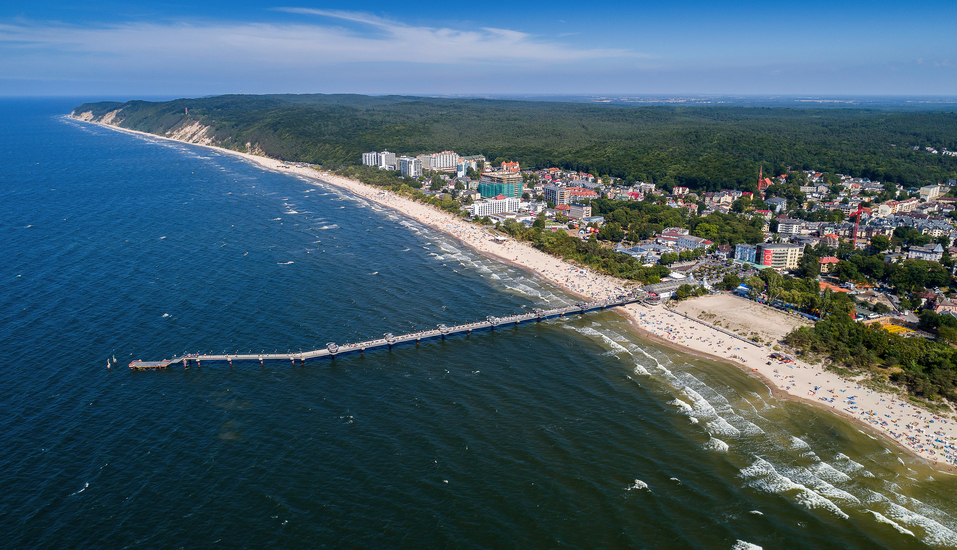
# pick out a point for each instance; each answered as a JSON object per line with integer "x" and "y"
{"x": 435, "y": 48}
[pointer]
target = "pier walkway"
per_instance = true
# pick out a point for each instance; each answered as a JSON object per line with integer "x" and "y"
{"x": 388, "y": 340}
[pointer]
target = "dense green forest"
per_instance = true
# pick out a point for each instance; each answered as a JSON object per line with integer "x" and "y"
{"x": 704, "y": 148}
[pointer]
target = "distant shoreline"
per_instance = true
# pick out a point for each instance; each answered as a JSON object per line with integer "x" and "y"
{"x": 586, "y": 284}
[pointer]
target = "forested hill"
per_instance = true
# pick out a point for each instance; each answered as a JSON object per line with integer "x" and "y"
{"x": 704, "y": 148}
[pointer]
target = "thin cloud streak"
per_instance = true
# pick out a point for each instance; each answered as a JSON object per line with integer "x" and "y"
{"x": 291, "y": 45}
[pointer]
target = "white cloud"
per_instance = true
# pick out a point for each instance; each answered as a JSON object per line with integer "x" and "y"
{"x": 304, "y": 45}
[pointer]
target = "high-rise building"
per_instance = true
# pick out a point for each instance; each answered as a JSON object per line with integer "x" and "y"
{"x": 500, "y": 204}
{"x": 556, "y": 194}
{"x": 779, "y": 256}
{"x": 370, "y": 159}
{"x": 410, "y": 166}
{"x": 501, "y": 183}
{"x": 387, "y": 160}
{"x": 488, "y": 189}
{"x": 446, "y": 160}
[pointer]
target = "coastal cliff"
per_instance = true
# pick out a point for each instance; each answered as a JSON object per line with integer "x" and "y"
{"x": 188, "y": 130}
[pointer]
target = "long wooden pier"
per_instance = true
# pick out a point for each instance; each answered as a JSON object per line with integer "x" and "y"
{"x": 388, "y": 340}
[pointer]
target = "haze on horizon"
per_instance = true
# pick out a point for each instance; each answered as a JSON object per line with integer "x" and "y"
{"x": 142, "y": 49}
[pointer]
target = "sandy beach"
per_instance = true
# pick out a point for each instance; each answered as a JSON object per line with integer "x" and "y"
{"x": 924, "y": 434}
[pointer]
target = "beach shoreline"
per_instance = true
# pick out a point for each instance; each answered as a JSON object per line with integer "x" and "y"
{"x": 865, "y": 408}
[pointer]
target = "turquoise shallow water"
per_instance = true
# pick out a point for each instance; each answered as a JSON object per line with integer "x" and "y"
{"x": 572, "y": 433}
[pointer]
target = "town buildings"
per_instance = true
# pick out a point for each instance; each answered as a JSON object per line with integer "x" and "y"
{"x": 579, "y": 211}
{"x": 497, "y": 205}
{"x": 930, "y": 253}
{"x": 410, "y": 166}
{"x": 556, "y": 194}
{"x": 776, "y": 256}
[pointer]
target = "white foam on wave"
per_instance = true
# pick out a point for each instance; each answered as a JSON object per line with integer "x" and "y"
{"x": 934, "y": 533}
{"x": 763, "y": 476}
{"x": 526, "y": 290}
{"x": 720, "y": 426}
{"x": 845, "y": 464}
{"x": 637, "y": 486}
{"x": 333, "y": 226}
{"x": 715, "y": 444}
{"x": 85, "y": 485}
{"x": 799, "y": 444}
{"x": 693, "y": 420}
{"x": 751, "y": 429}
{"x": 640, "y": 370}
{"x": 283, "y": 263}
{"x": 824, "y": 470}
{"x": 715, "y": 423}
{"x": 882, "y": 519}
{"x": 745, "y": 545}
{"x": 682, "y": 406}
{"x": 588, "y": 331}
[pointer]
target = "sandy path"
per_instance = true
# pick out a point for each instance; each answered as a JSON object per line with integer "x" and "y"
{"x": 927, "y": 436}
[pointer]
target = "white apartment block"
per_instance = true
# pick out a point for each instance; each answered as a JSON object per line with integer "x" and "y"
{"x": 446, "y": 160}
{"x": 411, "y": 167}
{"x": 370, "y": 159}
{"x": 929, "y": 192}
{"x": 488, "y": 207}
{"x": 387, "y": 160}
{"x": 790, "y": 227}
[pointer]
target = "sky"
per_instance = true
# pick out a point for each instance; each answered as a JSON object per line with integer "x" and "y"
{"x": 149, "y": 49}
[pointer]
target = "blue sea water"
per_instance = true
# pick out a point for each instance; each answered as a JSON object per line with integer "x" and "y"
{"x": 572, "y": 433}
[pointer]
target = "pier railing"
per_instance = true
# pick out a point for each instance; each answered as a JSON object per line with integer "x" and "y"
{"x": 388, "y": 340}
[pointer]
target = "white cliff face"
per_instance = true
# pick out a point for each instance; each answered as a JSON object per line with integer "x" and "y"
{"x": 193, "y": 132}
{"x": 190, "y": 132}
{"x": 109, "y": 117}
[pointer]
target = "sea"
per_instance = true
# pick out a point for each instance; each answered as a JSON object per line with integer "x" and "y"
{"x": 570, "y": 433}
